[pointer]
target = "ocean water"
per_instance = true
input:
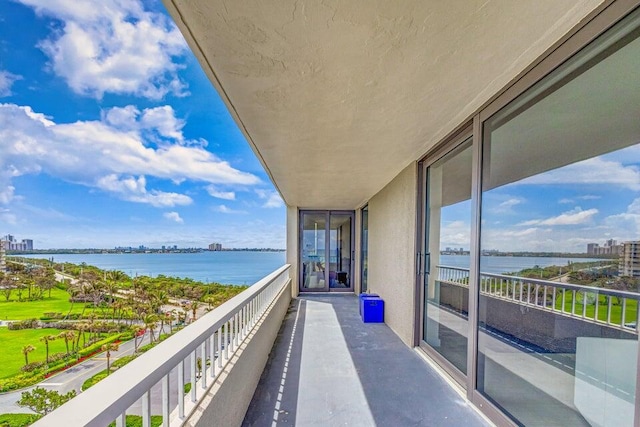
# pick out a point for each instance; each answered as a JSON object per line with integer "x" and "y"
{"x": 246, "y": 268}
{"x": 228, "y": 267}
{"x": 507, "y": 264}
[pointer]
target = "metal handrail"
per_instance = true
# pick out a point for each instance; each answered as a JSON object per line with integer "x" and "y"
{"x": 223, "y": 329}
{"x": 537, "y": 292}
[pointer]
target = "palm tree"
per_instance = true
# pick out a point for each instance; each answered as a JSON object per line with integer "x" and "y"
{"x": 194, "y": 308}
{"x": 170, "y": 317}
{"x": 82, "y": 328}
{"x": 150, "y": 322}
{"x": 26, "y": 350}
{"x": 66, "y": 336}
{"x": 136, "y": 331}
{"x": 109, "y": 348}
{"x": 47, "y": 339}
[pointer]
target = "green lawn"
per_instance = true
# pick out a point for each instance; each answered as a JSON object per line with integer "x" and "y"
{"x": 59, "y": 302}
{"x": 631, "y": 309}
{"x": 11, "y": 357}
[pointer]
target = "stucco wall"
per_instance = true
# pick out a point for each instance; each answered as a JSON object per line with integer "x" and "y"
{"x": 392, "y": 235}
{"x": 228, "y": 400}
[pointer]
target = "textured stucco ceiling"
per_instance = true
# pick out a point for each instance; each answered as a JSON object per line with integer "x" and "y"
{"x": 336, "y": 98}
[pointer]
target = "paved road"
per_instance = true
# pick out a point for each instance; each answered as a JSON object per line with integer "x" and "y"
{"x": 71, "y": 379}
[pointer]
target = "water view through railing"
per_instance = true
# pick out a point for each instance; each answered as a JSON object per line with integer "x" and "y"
{"x": 202, "y": 350}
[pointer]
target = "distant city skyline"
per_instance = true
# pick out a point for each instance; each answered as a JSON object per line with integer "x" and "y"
{"x": 93, "y": 155}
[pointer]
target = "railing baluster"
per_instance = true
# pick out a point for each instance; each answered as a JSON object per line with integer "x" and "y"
{"x": 165, "y": 401}
{"x": 528, "y": 293}
{"x": 193, "y": 361}
{"x": 220, "y": 349}
{"x": 121, "y": 421}
{"x": 146, "y": 409}
{"x": 203, "y": 364}
{"x": 597, "y": 305}
{"x": 232, "y": 330}
{"x": 573, "y": 302}
{"x": 610, "y": 300}
{"x": 553, "y": 300}
{"x": 521, "y": 284}
{"x": 180, "y": 390}
{"x": 212, "y": 349}
{"x": 585, "y": 300}
{"x": 544, "y": 297}
{"x": 564, "y": 299}
{"x": 624, "y": 312}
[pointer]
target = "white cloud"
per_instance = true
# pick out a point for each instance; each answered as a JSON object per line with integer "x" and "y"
{"x": 592, "y": 171}
{"x": 226, "y": 210}
{"x": 8, "y": 217}
{"x": 273, "y": 199}
{"x": 113, "y": 46}
{"x": 589, "y": 197}
{"x": 573, "y": 217}
{"x": 173, "y": 216}
{"x": 626, "y": 224}
{"x": 108, "y": 153}
{"x": 456, "y": 234}
{"x": 135, "y": 190}
{"x": 6, "y": 81}
{"x": 566, "y": 201}
{"x": 225, "y": 195}
{"x": 510, "y": 203}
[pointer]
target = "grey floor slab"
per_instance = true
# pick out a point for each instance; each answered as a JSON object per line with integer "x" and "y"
{"x": 328, "y": 368}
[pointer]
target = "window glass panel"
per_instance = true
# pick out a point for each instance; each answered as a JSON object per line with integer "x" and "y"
{"x": 446, "y": 285}
{"x": 313, "y": 256}
{"x": 364, "y": 249}
{"x": 558, "y": 305}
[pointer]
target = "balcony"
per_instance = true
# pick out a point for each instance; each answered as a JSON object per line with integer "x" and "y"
{"x": 326, "y": 368}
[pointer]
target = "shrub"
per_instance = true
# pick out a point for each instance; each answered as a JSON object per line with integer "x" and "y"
{"x": 51, "y": 315}
{"x": 136, "y": 421}
{"x": 97, "y": 346}
{"x": 30, "y": 368}
{"x": 23, "y": 324}
{"x": 18, "y": 420}
{"x": 20, "y": 381}
{"x": 146, "y": 347}
{"x": 119, "y": 363}
{"x": 94, "y": 380}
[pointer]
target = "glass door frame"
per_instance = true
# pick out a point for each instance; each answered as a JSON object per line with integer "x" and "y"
{"x": 423, "y": 257}
{"x": 327, "y": 230}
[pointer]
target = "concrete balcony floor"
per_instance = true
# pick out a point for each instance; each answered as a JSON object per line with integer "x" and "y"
{"x": 328, "y": 368}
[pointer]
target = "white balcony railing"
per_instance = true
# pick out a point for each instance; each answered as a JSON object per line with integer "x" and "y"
{"x": 207, "y": 344}
{"x": 568, "y": 299}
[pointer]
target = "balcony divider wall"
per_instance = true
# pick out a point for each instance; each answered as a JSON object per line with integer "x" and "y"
{"x": 554, "y": 165}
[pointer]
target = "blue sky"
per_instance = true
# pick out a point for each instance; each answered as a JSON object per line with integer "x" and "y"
{"x": 111, "y": 135}
{"x": 561, "y": 210}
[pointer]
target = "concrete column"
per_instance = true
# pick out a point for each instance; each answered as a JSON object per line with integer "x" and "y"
{"x": 292, "y": 247}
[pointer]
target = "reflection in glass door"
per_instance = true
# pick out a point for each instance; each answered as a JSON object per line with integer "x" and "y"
{"x": 446, "y": 245}
{"x": 313, "y": 252}
{"x": 326, "y": 251}
{"x": 341, "y": 251}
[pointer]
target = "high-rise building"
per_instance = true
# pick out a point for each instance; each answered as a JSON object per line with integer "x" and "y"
{"x": 630, "y": 259}
{"x": 3, "y": 260}
{"x": 215, "y": 247}
{"x": 28, "y": 244}
{"x": 11, "y": 244}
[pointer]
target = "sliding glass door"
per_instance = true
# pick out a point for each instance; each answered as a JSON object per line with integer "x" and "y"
{"x": 446, "y": 246}
{"x": 326, "y": 251}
